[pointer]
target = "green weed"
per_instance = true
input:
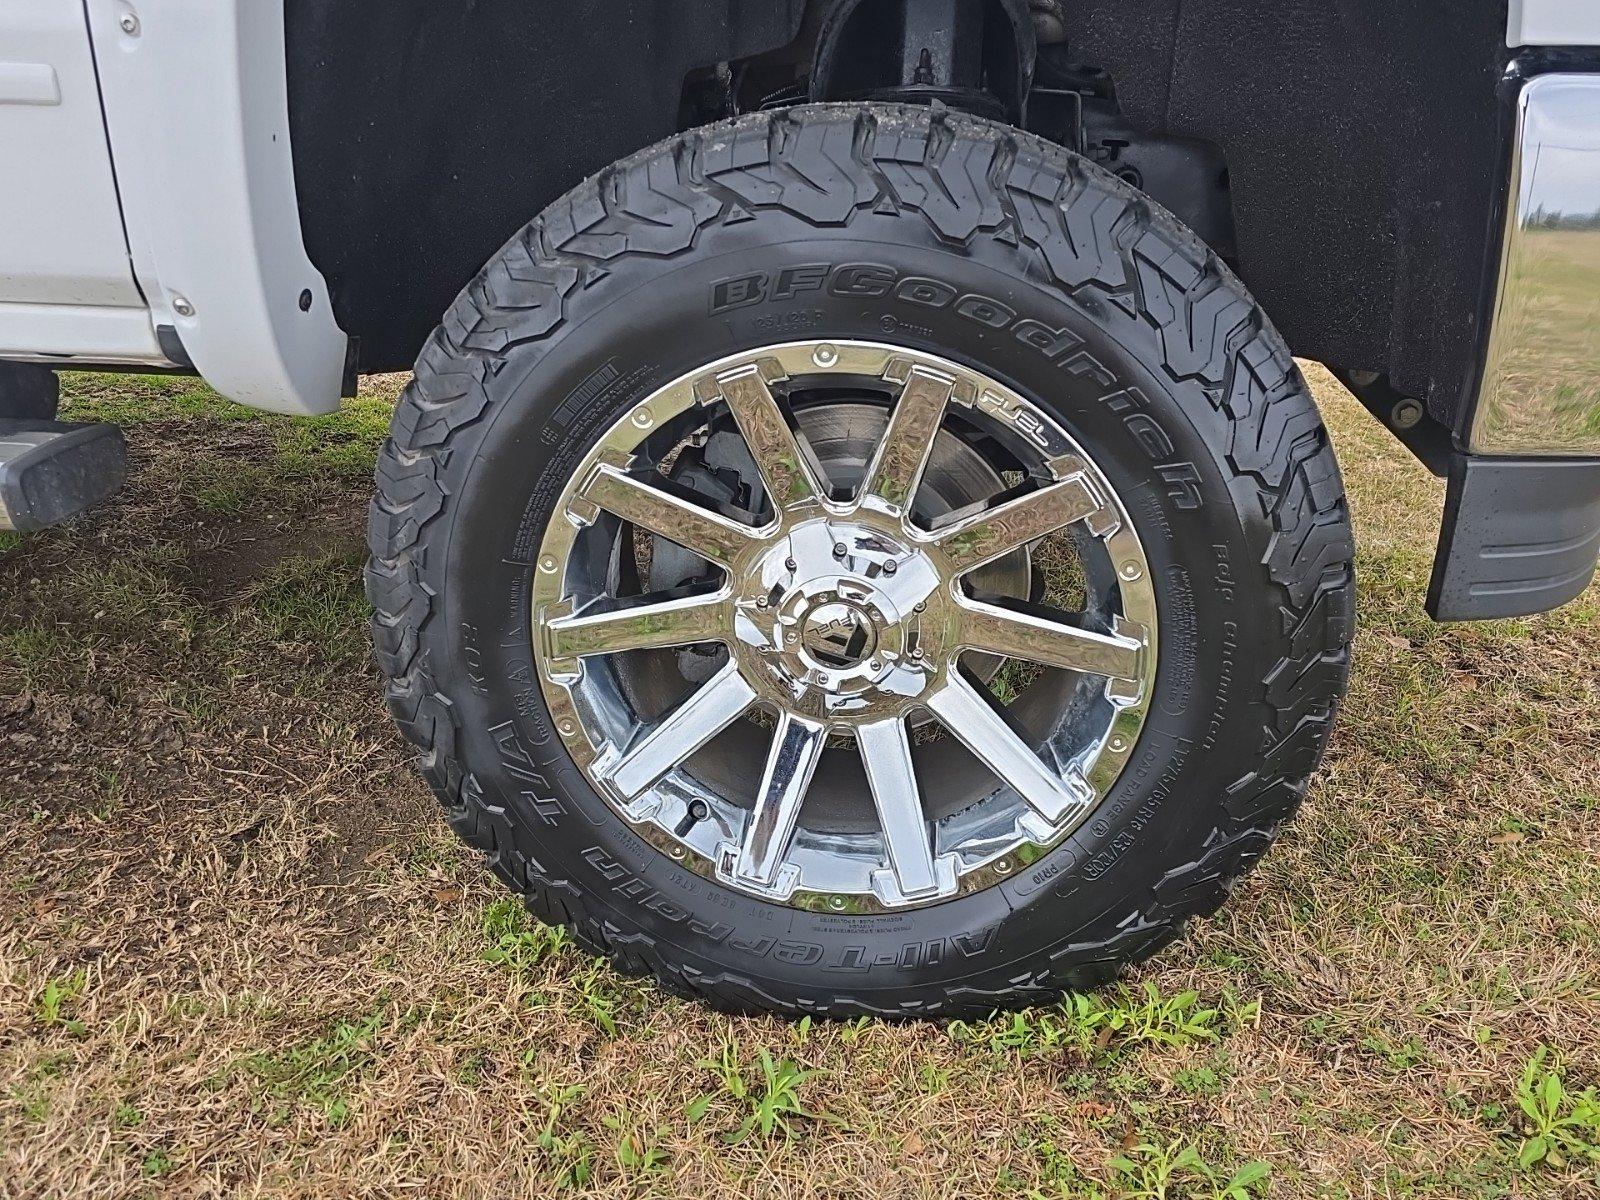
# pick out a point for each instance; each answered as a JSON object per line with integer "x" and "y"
{"x": 770, "y": 1106}
{"x": 1559, "y": 1126}
{"x": 571, "y": 1154}
{"x": 320, "y": 1071}
{"x": 516, "y": 940}
{"x": 57, "y": 997}
{"x": 1089, "y": 1023}
{"x": 598, "y": 1000}
{"x": 636, "y": 1155}
{"x": 158, "y": 1163}
{"x": 1157, "y": 1171}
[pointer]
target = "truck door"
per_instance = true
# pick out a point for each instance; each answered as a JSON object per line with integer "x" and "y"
{"x": 61, "y": 232}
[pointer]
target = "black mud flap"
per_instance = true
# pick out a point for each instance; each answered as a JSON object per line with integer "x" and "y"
{"x": 1520, "y": 536}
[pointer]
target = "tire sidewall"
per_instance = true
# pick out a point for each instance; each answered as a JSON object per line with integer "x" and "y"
{"x": 888, "y": 278}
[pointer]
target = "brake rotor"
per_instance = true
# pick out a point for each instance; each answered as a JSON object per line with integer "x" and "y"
{"x": 842, "y": 434}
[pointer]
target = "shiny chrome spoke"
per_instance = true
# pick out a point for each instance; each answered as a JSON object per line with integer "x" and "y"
{"x": 886, "y": 755}
{"x": 717, "y": 704}
{"x": 692, "y": 526}
{"x": 784, "y": 464}
{"x": 970, "y": 543}
{"x": 841, "y": 618}
{"x": 993, "y": 742}
{"x": 796, "y": 747}
{"x": 902, "y": 455}
{"x": 680, "y": 621}
{"x": 1052, "y": 642}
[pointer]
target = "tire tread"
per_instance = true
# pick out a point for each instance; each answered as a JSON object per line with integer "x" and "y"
{"x": 966, "y": 179}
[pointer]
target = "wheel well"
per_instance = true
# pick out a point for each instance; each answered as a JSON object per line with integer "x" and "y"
{"x": 1345, "y": 159}
{"x": 975, "y": 54}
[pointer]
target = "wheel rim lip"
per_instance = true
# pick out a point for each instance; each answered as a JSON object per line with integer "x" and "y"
{"x": 1102, "y": 763}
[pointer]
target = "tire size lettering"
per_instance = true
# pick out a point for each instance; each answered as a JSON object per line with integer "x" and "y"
{"x": 533, "y": 785}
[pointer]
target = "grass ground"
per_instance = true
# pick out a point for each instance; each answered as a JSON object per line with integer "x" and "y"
{"x": 240, "y": 955}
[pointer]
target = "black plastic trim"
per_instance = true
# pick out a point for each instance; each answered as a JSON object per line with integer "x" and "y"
{"x": 1428, "y": 440}
{"x": 172, "y": 346}
{"x": 1520, "y": 536}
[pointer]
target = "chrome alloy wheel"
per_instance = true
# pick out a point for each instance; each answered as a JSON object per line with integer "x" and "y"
{"x": 839, "y": 622}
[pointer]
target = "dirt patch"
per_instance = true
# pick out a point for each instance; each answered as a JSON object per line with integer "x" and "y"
{"x": 227, "y": 559}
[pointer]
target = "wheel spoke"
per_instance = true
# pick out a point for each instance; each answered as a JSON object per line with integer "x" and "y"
{"x": 886, "y": 754}
{"x": 902, "y": 455}
{"x": 651, "y": 625}
{"x": 976, "y": 540}
{"x": 785, "y": 465}
{"x": 690, "y": 525}
{"x": 991, "y": 739}
{"x": 796, "y": 747}
{"x": 716, "y": 705}
{"x": 1053, "y": 642}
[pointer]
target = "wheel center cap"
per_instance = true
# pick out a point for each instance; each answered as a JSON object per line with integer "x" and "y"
{"x": 838, "y": 635}
{"x": 841, "y": 618}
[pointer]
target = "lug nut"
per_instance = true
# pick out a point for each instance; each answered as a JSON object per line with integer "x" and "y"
{"x": 790, "y": 565}
{"x": 890, "y": 567}
{"x": 840, "y": 549}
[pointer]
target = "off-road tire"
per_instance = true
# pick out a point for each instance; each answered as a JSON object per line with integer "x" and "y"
{"x": 674, "y": 258}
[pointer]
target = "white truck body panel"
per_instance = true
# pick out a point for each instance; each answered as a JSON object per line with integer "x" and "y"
{"x": 1554, "y": 23}
{"x": 193, "y": 97}
{"x": 197, "y": 103}
{"x": 61, "y": 238}
{"x": 59, "y": 333}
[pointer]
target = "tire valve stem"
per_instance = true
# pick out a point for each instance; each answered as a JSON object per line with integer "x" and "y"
{"x": 696, "y": 812}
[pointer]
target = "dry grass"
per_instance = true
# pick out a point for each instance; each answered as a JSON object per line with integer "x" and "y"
{"x": 240, "y": 955}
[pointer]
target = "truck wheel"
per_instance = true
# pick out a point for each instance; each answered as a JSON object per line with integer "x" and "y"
{"x": 862, "y": 559}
